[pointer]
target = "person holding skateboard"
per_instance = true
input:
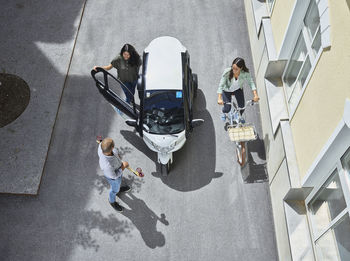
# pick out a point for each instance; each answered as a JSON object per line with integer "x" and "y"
{"x": 112, "y": 167}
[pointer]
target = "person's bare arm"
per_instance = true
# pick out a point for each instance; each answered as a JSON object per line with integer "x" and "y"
{"x": 256, "y": 97}
{"x": 107, "y": 67}
{"x": 125, "y": 164}
{"x": 220, "y": 101}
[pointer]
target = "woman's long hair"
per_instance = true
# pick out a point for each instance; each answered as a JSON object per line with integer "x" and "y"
{"x": 134, "y": 56}
{"x": 241, "y": 64}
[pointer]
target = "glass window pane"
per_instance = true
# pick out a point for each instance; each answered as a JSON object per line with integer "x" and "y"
{"x": 312, "y": 19}
{"x": 316, "y": 45}
{"x": 296, "y": 61}
{"x": 305, "y": 72}
{"x": 345, "y": 160}
{"x": 335, "y": 244}
{"x": 327, "y": 204}
{"x": 297, "y": 90}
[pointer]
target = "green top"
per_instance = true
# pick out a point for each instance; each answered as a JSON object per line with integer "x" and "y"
{"x": 126, "y": 72}
{"x": 244, "y": 77}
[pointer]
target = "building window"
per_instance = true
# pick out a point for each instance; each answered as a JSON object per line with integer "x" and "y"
{"x": 304, "y": 55}
{"x": 334, "y": 244}
{"x": 327, "y": 204}
{"x": 329, "y": 214}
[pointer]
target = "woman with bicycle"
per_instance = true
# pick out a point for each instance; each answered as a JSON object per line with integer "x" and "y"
{"x": 127, "y": 64}
{"x": 231, "y": 83}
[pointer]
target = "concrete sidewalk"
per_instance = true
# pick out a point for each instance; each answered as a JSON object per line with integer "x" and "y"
{"x": 37, "y": 40}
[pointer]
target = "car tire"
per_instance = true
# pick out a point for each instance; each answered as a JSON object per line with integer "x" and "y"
{"x": 165, "y": 169}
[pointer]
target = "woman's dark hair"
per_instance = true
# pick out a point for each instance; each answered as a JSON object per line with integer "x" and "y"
{"x": 134, "y": 56}
{"x": 241, "y": 64}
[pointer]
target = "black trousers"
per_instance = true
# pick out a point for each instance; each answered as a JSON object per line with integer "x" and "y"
{"x": 239, "y": 95}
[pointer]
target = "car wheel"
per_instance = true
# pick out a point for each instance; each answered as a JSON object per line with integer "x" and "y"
{"x": 165, "y": 168}
{"x": 195, "y": 84}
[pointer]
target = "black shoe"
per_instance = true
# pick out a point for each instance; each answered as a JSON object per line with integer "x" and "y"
{"x": 116, "y": 206}
{"x": 125, "y": 188}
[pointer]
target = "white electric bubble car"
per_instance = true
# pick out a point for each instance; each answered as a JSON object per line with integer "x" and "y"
{"x": 167, "y": 88}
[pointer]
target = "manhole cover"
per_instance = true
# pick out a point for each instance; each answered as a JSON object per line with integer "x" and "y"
{"x": 14, "y": 98}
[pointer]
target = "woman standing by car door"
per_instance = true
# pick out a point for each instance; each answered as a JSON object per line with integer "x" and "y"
{"x": 231, "y": 83}
{"x": 127, "y": 63}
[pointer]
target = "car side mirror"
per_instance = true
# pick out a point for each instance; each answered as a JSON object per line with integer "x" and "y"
{"x": 196, "y": 122}
{"x": 131, "y": 122}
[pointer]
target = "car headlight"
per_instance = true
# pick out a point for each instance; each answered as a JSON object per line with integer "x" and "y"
{"x": 166, "y": 149}
{"x": 169, "y": 148}
{"x": 155, "y": 146}
{"x": 163, "y": 149}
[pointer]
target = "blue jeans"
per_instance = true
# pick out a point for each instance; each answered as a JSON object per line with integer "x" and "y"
{"x": 226, "y": 97}
{"x": 115, "y": 187}
{"x": 130, "y": 91}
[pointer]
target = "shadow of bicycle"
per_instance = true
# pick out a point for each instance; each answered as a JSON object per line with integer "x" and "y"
{"x": 255, "y": 169}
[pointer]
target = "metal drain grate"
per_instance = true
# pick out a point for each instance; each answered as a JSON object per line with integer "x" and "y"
{"x": 14, "y": 98}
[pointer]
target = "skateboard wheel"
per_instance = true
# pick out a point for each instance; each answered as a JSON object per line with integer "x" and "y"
{"x": 139, "y": 170}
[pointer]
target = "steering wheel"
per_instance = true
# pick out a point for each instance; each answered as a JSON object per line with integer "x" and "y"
{"x": 157, "y": 115}
{"x": 169, "y": 119}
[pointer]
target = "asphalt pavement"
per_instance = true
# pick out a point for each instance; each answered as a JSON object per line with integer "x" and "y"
{"x": 203, "y": 210}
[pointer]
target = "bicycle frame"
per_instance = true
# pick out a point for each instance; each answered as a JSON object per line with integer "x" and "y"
{"x": 234, "y": 116}
{"x": 235, "y": 125}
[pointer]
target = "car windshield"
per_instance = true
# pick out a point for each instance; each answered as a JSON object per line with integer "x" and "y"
{"x": 163, "y": 112}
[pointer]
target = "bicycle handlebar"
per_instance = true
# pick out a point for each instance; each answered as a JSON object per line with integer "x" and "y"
{"x": 248, "y": 103}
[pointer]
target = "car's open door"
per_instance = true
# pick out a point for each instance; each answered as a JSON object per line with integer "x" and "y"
{"x": 102, "y": 79}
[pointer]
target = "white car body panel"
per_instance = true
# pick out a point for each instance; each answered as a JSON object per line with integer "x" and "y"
{"x": 165, "y": 144}
{"x": 164, "y": 65}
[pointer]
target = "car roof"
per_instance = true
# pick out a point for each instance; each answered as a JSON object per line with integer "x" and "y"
{"x": 164, "y": 65}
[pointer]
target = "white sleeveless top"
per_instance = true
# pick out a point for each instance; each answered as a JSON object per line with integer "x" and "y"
{"x": 234, "y": 85}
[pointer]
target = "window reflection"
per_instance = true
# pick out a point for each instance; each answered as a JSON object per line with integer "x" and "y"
{"x": 335, "y": 244}
{"x": 312, "y": 19}
{"x": 327, "y": 204}
{"x": 345, "y": 160}
{"x": 296, "y": 61}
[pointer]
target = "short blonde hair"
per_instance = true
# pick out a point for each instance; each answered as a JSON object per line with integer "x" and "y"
{"x": 107, "y": 145}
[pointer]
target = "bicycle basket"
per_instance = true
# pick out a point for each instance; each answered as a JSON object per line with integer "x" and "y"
{"x": 245, "y": 133}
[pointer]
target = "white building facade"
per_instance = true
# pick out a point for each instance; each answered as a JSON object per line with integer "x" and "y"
{"x": 301, "y": 56}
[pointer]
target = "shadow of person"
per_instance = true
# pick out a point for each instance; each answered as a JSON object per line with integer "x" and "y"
{"x": 144, "y": 219}
{"x": 92, "y": 220}
{"x": 194, "y": 165}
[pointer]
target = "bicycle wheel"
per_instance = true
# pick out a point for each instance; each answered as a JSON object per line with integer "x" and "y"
{"x": 241, "y": 151}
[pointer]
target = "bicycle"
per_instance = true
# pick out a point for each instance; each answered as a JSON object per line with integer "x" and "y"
{"x": 239, "y": 131}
